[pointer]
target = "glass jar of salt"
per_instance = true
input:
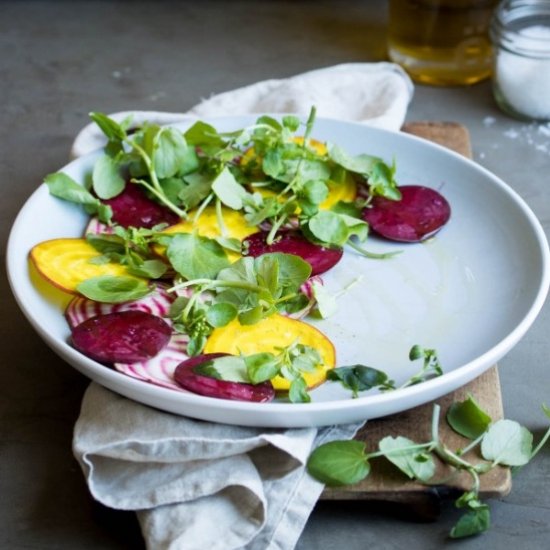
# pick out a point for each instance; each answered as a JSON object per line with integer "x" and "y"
{"x": 520, "y": 31}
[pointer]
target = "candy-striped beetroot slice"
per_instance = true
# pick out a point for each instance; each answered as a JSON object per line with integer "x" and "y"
{"x": 121, "y": 337}
{"x": 419, "y": 214}
{"x": 159, "y": 370}
{"x": 98, "y": 228}
{"x": 319, "y": 257}
{"x": 157, "y": 303}
{"x": 133, "y": 208}
{"x": 187, "y": 378}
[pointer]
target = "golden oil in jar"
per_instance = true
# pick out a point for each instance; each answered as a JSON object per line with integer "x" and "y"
{"x": 442, "y": 42}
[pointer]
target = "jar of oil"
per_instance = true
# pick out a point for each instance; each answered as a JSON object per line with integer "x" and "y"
{"x": 442, "y": 42}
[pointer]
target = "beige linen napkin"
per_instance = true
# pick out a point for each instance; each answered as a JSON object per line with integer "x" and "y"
{"x": 199, "y": 485}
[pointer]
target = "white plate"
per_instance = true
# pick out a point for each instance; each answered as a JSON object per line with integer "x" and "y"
{"x": 471, "y": 292}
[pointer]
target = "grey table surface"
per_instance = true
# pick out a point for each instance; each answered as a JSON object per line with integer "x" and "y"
{"x": 60, "y": 60}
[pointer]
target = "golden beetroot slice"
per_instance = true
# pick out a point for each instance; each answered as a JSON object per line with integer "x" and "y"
{"x": 320, "y": 258}
{"x": 121, "y": 337}
{"x": 192, "y": 381}
{"x": 419, "y": 214}
{"x": 133, "y": 208}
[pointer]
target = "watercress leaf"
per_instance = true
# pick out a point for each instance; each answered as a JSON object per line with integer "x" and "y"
{"x": 251, "y": 316}
{"x": 229, "y": 190}
{"x": 325, "y": 302}
{"x": 270, "y": 121}
{"x": 262, "y": 367}
{"x": 221, "y": 313}
{"x": 231, "y": 368}
{"x": 106, "y": 177}
{"x": 267, "y": 272}
{"x": 358, "y": 377}
{"x": 64, "y": 187}
{"x": 474, "y": 521}
{"x": 314, "y": 191}
{"x": 381, "y": 181}
{"x": 172, "y": 187}
{"x": 362, "y": 164}
{"x": 204, "y": 136}
{"x": 546, "y": 410}
{"x": 339, "y": 463}
{"x": 151, "y": 269}
{"x": 196, "y": 345}
{"x": 297, "y": 392}
{"x": 229, "y": 243}
{"x": 349, "y": 208}
{"x": 112, "y": 129}
{"x": 398, "y": 451}
{"x": 334, "y": 228}
{"x": 272, "y": 163}
{"x": 169, "y": 153}
{"x": 416, "y": 352}
{"x": 196, "y": 257}
{"x": 467, "y": 418}
{"x": 291, "y": 122}
{"x": 293, "y": 270}
{"x": 106, "y": 244}
{"x": 507, "y": 442}
{"x": 197, "y": 187}
{"x": 113, "y": 289}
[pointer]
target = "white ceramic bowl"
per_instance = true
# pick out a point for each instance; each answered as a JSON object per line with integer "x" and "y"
{"x": 471, "y": 292}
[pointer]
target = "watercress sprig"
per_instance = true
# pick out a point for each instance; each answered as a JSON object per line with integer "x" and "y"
{"x": 503, "y": 443}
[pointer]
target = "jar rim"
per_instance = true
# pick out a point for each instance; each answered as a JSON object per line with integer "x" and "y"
{"x": 511, "y": 20}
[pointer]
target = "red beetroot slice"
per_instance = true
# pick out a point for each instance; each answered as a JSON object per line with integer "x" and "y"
{"x": 133, "y": 208}
{"x": 319, "y": 257}
{"x": 187, "y": 378}
{"x": 121, "y": 337}
{"x": 419, "y": 214}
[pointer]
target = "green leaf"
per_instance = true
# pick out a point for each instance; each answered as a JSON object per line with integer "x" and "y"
{"x": 169, "y": 153}
{"x": 359, "y": 378}
{"x": 508, "y": 443}
{"x": 230, "y": 368}
{"x": 229, "y": 190}
{"x": 107, "y": 181}
{"x": 64, "y": 187}
{"x": 467, "y": 418}
{"x": 339, "y": 463}
{"x": 412, "y": 462}
{"x": 196, "y": 257}
{"x": 220, "y": 314}
{"x": 293, "y": 271}
{"x": 333, "y": 228}
{"x": 204, "y": 136}
{"x": 297, "y": 392}
{"x": 262, "y": 367}
{"x": 197, "y": 187}
{"x": 150, "y": 269}
{"x": 474, "y": 521}
{"x": 291, "y": 122}
{"x": 326, "y": 303}
{"x": 362, "y": 164}
{"x": 113, "y": 290}
{"x": 381, "y": 181}
{"x": 112, "y": 129}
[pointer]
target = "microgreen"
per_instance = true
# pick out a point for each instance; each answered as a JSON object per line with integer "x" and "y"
{"x": 503, "y": 443}
{"x": 114, "y": 289}
{"x": 359, "y": 378}
{"x": 290, "y": 362}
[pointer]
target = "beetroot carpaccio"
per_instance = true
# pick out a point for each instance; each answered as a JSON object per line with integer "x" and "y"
{"x": 187, "y": 378}
{"x": 321, "y": 258}
{"x": 133, "y": 208}
{"x": 121, "y": 337}
{"x": 420, "y": 214}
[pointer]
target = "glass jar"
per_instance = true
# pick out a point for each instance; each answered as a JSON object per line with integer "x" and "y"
{"x": 441, "y": 42}
{"x": 520, "y": 31}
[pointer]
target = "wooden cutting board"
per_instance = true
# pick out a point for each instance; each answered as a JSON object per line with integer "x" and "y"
{"x": 387, "y": 484}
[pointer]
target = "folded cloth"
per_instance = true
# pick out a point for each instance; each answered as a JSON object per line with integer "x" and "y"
{"x": 196, "y": 484}
{"x": 376, "y": 94}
